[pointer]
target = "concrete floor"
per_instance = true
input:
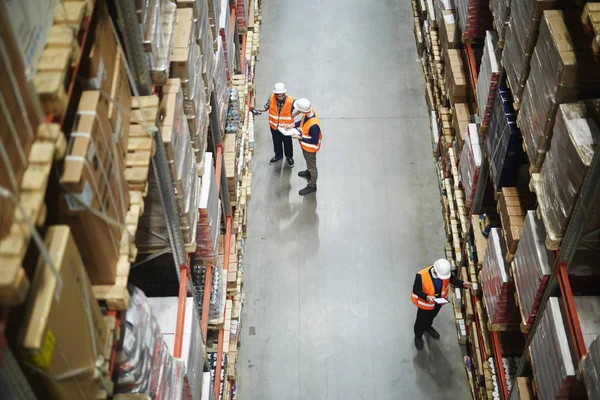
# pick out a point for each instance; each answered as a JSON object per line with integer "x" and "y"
{"x": 328, "y": 277}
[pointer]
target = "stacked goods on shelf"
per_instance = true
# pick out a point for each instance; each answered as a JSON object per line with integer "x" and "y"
{"x": 521, "y": 37}
{"x": 504, "y": 143}
{"x": 182, "y": 166}
{"x": 157, "y": 19}
{"x": 209, "y": 219}
{"x": 63, "y": 329}
{"x": 475, "y": 18}
{"x": 590, "y": 369}
{"x": 487, "y": 83}
{"x": 471, "y": 160}
{"x": 192, "y": 349}
{"x": 588, "y": 310}
{"x": 576, "y": 136}
{"x": 513, "y": 204}
{"x": 226, "y": 38}
{"x": 461, "y": 117}
{"x": 591, "y": 19}
{"x": 501, "y": 13}
{"x": 509, "y": 365}
{"x": 214, "y": 13}
{"x": 551, "y": 358}
{"x": 231, "y": 144}
{"x": 455, "y": 76}
{"x": 144, "y": 364}
{"x": 522, "y": 389}
{"x": 446, "y": 21}
{"x": 241, "y": 13}
{"x": 221, "y": 88}
{"x": 563, "y": 70}
{"x": 212, "y": 365}
{"x": 532, "y": 268}
{"x": 497, "y": 285}
{"x": 185, "y": 59}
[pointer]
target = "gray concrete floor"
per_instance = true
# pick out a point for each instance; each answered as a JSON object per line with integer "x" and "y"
{"x": 328, "y": 277}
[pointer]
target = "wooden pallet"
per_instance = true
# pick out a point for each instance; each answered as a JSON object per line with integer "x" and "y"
{"x": 49, "y": 145}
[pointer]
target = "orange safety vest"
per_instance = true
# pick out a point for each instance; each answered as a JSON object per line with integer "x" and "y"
{"x": 285, "y": 117}
{"x": 429, "y": 290}
{"x": 305, "y": 124}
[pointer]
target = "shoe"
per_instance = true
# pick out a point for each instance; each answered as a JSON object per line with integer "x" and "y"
{"x": 304, "y": 174}
{"x": 274, "y": 160}
{"x": 419, "y": 343}
{"x": 308, "y": 190}
{"x": 433, "y": 333}
{"x": 291, "y": 162}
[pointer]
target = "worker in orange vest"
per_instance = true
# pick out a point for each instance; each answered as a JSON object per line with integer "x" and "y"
{"x": 281, "y": 114}
{"x": 310, "y": 136}
{"x": 430, "y": 292}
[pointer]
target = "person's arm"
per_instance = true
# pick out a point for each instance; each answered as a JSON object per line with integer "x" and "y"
{"x": 459, "y": 283}
{"x": 265, "y": 108}
{"x": 418, "y": 287}
{"x": 297, "y": 124}
{"x": 314, "y": 135}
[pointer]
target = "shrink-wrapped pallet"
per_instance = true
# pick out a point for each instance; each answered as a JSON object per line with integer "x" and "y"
{"x": 590, "y": 369}
{"x": 475, "y": 18}
{"x": 489, "y": 76}
{"x": 226, "y": 37}
{"x": 157, "y": 25}
{"x": 221, "y": 89}
{"x": 532, "y": 267}
{"x": 576, "y": 136}
{"x": 501, "y": 13}
{"x": 209, "y": 217}
{"x": 471, "y": 160}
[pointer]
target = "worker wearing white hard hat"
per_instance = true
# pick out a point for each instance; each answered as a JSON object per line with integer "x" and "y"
{"x": 310, "y": 136}
{"x": 281, "y": 113}
{"x": 430, "y": 292}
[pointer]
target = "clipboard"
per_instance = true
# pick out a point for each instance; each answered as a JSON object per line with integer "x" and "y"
{"x": 288, "y": 132}
{"x": 441, "y": 301}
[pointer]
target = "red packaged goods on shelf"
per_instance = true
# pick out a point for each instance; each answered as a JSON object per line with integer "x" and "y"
{"x": 562, "y": 70}
{"x": 532, "y": 267}
{"x": 574, "y": 142}
{"x": 475, "y": 18}
{"x": 489, "y": 76}
{"x": 226, "y": 37}
{"x": 551, "y": 358}
{"x": 241, "y": 12}
{"x": 497, "y": 285}
{"x": 471, "y": 159}
{"x": 501, "y": 13}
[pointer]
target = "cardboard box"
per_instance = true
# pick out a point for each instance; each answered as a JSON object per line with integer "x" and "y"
{"x": 461, "y": 117}
{"x": 119, "y": 114}
{"x": 50, "y": 87}
{"x": 56, "y": 336}
{"x": 97, "y": 70}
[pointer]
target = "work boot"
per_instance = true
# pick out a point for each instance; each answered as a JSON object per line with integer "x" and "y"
{"x": 290, "y": 162}
{"x": 308, "y": 190}
{"x": 274, "y": 160}
{"x": 419, "y": 343}
{"x": 433, "y": 333}
{"x": 304, "y": 174}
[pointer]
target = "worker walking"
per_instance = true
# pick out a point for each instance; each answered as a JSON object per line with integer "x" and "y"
{"x": 310, "y": 141}
{"x": 281, "y": 114}
{"x": 430, "y": 292}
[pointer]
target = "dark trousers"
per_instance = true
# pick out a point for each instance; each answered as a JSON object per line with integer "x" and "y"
{"x": 281, "y": 143}
{"x": 311, "y": 167}
{"x": 424, "y": 320}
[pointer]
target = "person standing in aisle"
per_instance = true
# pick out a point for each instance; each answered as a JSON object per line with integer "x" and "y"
{"x": 281, "y": 113}
{"x": 430, "y": 292}
{"x": 310, "y": 140}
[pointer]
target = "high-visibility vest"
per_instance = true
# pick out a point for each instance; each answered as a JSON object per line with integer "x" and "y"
{"x": 429, "y": 289}
{"x": 284, "y": 117}
{"x": 305, "y": 124}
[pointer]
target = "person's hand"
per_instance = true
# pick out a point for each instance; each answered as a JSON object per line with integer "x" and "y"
{"x": 430, "y": 298}
{"x": 467, "y": 285}
{"x": 295, "y": 136}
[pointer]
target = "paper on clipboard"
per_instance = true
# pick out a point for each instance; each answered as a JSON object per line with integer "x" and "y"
{"x": 441, "y": 301}
{"x": 288, "y": 132}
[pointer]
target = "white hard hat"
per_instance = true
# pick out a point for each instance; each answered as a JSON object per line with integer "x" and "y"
{"x": 303, "y": 105}
{"x": 442, "y": 268}
{"x": 279, "y": 88}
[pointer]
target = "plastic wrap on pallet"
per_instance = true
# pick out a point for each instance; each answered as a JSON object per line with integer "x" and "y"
{"x": 504, "y": 143}
{"x": 588, "y": 313}
{"x": 221, "y": 88}
{"x": 501, "y": 12}
{"x": 474, "y": 17}
{"x": 226, "y": 37}
{"x": 209, "y": 217}
{"x": 521, "y": 38}
{"x": 144, "y": 365}
{"x": 205, "y": 40}
{"x": 590, "y": 369}
{"x": 471, "y": 160}
{"x": 551, "y": 358}
{"x": 212, "y": 365}
{"x": 192, "y": 349}
{"x": 218, "y": 295}
{"x": 232, "y": 124}
{"x": 440, "y": 6}
{"x": 489, "y": 76}
{"x": 497, "y": 285}
{"x": 158, "y": 21}
{"x": 562, "y": 70}
{"x": 532, "y": 266}
{"x": 576, "y": 136}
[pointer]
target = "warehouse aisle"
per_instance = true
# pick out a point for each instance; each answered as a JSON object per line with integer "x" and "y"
{"x": 327, "y": 279}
